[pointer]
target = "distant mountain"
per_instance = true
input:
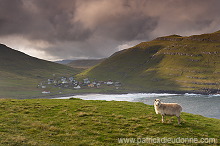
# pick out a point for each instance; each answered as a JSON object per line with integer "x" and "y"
{"x": 166, "y": 64}
{"x": 84, "y": 63}
{"x": 63, "y": 61}
{"x": 20, "y": 73}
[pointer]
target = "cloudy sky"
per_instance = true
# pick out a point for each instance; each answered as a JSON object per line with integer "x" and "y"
{"x": 75, "y": 29}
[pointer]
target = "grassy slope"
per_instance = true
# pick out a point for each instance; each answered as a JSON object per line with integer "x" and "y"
{"x": 20, "y": 73}
{"x": 168, "y": 63}
{"x": 78, "y": 122}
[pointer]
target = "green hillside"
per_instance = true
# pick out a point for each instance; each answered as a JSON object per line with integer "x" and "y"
{"x": 77, "y": 122}
{"x": 20, "y": 73}
{"x": 166, "y": 64}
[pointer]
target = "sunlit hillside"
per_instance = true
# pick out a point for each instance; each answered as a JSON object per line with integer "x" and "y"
{"x": 166, "y": 64}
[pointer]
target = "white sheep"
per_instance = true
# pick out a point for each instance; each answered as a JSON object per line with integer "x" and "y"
{"x": 168, "y": 109}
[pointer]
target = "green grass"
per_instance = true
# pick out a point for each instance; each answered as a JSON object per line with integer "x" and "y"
{"x": 77, "y": 122}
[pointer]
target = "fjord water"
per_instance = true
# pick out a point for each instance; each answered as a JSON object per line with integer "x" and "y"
{"x": 205, "y": 105}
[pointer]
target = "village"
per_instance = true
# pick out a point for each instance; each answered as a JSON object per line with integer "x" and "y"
{"x": 72, "y": 83}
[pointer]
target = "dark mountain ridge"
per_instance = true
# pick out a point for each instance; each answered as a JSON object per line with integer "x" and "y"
{"x": 20, "y": 73}
{"x": 16, "y": 61}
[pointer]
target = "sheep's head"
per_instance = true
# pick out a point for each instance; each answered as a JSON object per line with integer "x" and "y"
{"x": 157, "y": 102}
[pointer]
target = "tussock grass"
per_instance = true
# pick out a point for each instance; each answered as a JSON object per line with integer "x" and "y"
{"x": 78, "y": 122}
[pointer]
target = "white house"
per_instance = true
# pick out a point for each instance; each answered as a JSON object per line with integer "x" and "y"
{"x": 43, "y": 87}
{"x": 86, "y": 81}
{"x": 109, "y": 82}
{"x": 46, "y": 92}
{"x": 77, "y": 87}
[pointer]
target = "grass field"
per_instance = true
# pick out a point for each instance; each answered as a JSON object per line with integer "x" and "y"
{"x": 78, "y": 122}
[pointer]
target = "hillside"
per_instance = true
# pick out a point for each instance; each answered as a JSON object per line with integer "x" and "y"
{"x": 20, "y": 73}
{"x": 84, "y": 63}
{"x": 166, "y": 64}
{"x": 77, "y": 122}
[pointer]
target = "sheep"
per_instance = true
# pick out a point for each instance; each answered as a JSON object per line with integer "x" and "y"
{"x": 168, "y": 109}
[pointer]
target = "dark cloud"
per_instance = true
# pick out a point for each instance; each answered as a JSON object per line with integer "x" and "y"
{"x": 125, "y": 29}
{"x": 41, "y": 20}
{"x": 97, "y": 28}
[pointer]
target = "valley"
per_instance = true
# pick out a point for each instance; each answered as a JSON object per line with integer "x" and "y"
{"x": 169, "y": 64}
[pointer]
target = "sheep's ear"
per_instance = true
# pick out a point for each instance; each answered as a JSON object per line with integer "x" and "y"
{"x": 155, "y": 100}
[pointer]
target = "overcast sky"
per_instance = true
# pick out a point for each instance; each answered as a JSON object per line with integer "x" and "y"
{"x": 74, "y": 29}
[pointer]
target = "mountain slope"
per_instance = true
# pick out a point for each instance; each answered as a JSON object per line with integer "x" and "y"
{"x": 166, "y": 64}
{"x": 20, "y": 73}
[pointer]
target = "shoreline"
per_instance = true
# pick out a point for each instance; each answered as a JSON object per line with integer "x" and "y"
{"x": 132, "y": 98}
{"x": 110, "y": 93}
{"x": 100, "y": 96}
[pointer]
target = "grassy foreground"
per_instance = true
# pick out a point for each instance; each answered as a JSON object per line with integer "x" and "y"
{"x": 79, "y": 122}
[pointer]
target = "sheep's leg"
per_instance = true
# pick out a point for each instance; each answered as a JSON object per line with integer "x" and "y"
{"x": 178, "y": 119}
{"x": 162, "y": 118}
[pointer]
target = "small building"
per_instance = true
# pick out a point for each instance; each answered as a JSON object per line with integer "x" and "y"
{"x": 98, "y": 85}
{"x": 50, "y": 81}
{"x": 64, "y": 80}
{"x": 110, "y": 82}
{"x": 91, "y": 85}
{"x": 45, "y": 92}
{"x": 74, "y": 84}
{"x": 94, "y": 83}
{"x": 117, "y": 84}
{"x": 43, "y": 87}
{"x": 77, "y": 87}
{"x": 86, "y": 81}
{"x": 71, "y": 79}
